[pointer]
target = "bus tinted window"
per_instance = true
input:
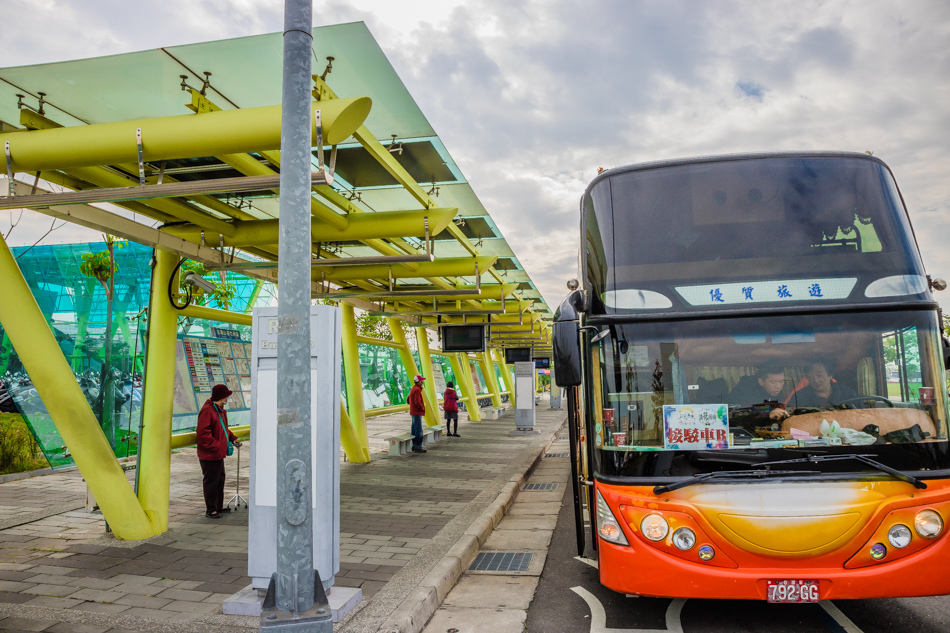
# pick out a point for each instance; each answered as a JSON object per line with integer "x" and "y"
{"x": 804, "y": 382}
{"x": 745, "y": 220}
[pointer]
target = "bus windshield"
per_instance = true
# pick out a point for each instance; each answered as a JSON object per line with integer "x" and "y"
{"x": 746, "y": 231}
{"x": 687, "y": 397}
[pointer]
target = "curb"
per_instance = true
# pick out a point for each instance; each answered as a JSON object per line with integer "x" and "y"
{"x": 414, "y": 612}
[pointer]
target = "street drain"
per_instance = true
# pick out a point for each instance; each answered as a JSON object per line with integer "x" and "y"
{"x": 501, "y": 561}
{"x": 557, "y": 454}
{"x": 540, "y": 487}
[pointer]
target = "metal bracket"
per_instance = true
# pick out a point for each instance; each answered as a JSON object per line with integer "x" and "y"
{"x": 318, "y": 125}
{"x": 425, "y": 222}
{"x": 161, "y": 173}
{"x": 6, "y": 149}
{"x": 138, "y": 144}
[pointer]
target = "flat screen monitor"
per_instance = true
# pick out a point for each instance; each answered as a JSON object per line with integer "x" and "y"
{"x": 517, "y": 355}
{"x": 542, "y": 363}
{"x": 463, "y": 338}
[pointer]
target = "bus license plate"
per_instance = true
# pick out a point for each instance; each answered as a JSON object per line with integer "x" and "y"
{"x": 792, "y": 591}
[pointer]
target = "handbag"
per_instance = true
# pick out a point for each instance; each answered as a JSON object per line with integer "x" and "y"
{"x": 223, "y": 428}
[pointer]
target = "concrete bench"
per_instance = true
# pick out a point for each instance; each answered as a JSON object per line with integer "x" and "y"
{"x": 431, "y": 435}
{"x": 400, "y": 444}
{"x": 489, "y": 413}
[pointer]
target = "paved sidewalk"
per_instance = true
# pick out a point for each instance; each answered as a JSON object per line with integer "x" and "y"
{"x": 497, "y": 601}
{"x": 60, "y": 571}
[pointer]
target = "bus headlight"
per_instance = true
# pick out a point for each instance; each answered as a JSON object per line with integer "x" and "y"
{"x": 899, "y": 536}
{"x": 654, "y": 527}
{"x": 607, "y": 525}
{"x": 684, "y": 538}
{"x": 928, "y": 524}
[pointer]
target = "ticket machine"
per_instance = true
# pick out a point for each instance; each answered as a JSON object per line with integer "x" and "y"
{"x": 325, "y": 354}
{"x": 525, "y": 375}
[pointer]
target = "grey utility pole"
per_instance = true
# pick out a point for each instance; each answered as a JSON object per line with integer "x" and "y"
{"x": 289, "y": 604}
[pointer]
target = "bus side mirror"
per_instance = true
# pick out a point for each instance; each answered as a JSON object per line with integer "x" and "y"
{"x": 567, "y": 342}
{"x": 946, "y": 352}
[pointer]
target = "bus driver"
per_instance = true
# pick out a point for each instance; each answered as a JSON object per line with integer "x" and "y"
{"x": 765, "y": 387}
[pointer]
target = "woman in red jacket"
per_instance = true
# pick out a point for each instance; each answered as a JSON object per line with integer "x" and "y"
{"x": 450, "y": 403}
{"x": 213, "y": 439}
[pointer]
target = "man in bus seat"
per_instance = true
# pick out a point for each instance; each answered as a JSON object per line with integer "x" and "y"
{"x": 765, "y": 387}
{"x": 822, "y": 389}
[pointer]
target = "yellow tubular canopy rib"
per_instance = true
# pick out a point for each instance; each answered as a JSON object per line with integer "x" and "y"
{"x": 168, "y": 138}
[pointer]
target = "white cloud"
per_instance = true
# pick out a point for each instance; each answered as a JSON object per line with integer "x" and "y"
{"x": 532, "y": 96}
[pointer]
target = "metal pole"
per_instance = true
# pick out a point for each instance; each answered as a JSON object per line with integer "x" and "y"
{"x": 295, "y": 577}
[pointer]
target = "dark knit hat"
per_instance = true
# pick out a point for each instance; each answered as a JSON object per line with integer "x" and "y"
{"x": 220, "y": 392}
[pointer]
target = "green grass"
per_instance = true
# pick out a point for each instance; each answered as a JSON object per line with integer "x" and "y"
{"x": 18, "y": 451}
{"x": 894, "y": 391}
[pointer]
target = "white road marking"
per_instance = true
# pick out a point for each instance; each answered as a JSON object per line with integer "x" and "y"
{"x": 587, "y": 561}
{"x": 839, "y": 617}
{"x": 598, "y": 616}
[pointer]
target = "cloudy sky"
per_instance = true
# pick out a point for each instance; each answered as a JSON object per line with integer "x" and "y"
{"x": 531, "y": 97}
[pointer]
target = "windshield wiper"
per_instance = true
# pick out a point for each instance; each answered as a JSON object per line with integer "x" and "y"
{"x": 698, "y": 479}
{"x": 868, "y": 460}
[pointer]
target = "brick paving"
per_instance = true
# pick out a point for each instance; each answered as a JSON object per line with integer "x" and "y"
{"x": 61, "y": 572}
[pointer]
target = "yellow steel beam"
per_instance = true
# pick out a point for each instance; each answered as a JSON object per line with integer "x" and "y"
{"x": 463, "y": 375}
{"x": 250, "y": 166}
{"x": 155, "y": 466}
{"x": 354, "y": 387}
{"x": 105, "y": 178}
{"x": 451, "y": 266}
{"x": 488, "y": 372}
{"x": 488, "y": 292}
{"x": 350, "y": 438}
{"x": 324, "y": 94}
{"x": 168, "y": 138}
{"x": 505, "y": 372}
{"x": 212, "y": 314}
{"x": 408, "y": 362}
{"x": 34, "y": 121}
{"x": 425, "y": 359}
{"x": 181, "y": 440}
{"x": 53, "y": 378}
{"x": 385, "y": 224}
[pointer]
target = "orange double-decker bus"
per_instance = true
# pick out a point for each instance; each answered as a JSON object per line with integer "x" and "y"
{"x": 756, "y": 382}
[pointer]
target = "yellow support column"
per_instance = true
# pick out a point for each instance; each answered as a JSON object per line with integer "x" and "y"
{"x": 463, "y": 374}
{"x": 350, "y": 440}
{"x": 24, "y": 324}
{"x": 505, "y": 375}
{"x": 405, "y": 354}
{"x": 425, "y": 358}
{"x": 155, "y": 467}
{"x": 488, "y": 371}
{"x": 354, "y": 386}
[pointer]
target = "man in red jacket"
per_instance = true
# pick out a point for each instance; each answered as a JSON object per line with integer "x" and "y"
{"x": 450, "y": 404}
{"x": 417, "y": 409}
{"x": 213, "y": 437}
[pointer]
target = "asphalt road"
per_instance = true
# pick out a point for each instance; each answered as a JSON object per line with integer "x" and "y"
{"x": 569, "y": 592}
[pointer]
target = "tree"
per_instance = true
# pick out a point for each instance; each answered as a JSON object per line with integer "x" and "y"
{"x": 101, "y": 267}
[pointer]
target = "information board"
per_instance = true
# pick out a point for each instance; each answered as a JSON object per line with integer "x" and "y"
{"x": 200, "y": 364}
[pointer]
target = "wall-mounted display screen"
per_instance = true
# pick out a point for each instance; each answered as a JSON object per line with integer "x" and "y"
{"x": 542, "y": 363}
{"x": 463, "y": 338}
{"x": 518, "y": 355}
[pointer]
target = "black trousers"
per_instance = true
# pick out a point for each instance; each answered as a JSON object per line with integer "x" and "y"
{"x": 213, "y": 483}
{"x": 451, "y": 416}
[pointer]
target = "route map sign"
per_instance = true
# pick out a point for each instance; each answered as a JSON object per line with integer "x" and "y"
{"x": 203, "y": 362}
